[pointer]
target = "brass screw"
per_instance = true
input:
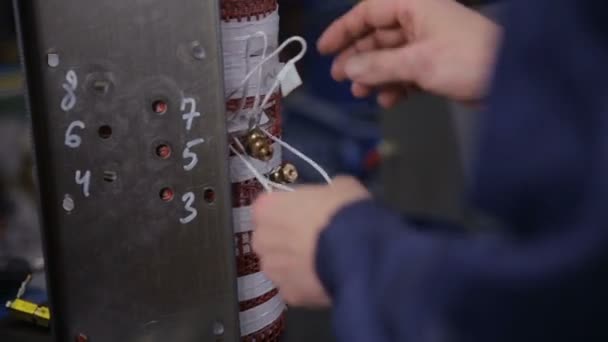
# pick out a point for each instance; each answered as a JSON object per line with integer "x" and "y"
{"x": 289, "y": 173}
{"x": 285, "y": 174}
{"x": 258, "y": 146}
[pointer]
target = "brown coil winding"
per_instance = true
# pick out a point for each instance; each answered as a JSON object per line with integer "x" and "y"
{"x": 244, "y": 193}
{"x": 252, "y": 303}
{"x": 242, "y": 243}
{"x": 246, "y": 9}
{"x": 247, "y": 264}
{"x": 271, "y": 333}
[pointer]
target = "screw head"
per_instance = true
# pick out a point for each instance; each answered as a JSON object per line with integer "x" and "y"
{"x": 68, "y": 203}
{"x": 52, "y": 59}
{"x": 218, "y": 329}
{"x": 198, "y": 51}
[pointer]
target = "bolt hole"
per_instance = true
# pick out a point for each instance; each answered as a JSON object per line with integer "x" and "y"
{"x": 110, "y": 176}
{"x": 105, "y": 132}
{"x": 209, "y": 195}
{"x": 167, "y": 194}
{"x": 160, "y": 107}
{"x": 163, "y": 151}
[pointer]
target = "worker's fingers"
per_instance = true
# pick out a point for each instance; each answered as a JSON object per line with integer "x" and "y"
{"x": 378, "y": 39}
{"x": 360, "y": 91}
{"x": 359, "y": 21}
{"x": 391, "y": 95}
{"x": 385, "y": 66}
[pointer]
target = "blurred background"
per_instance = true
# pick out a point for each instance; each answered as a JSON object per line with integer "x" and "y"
{"x": 415, "y": 157}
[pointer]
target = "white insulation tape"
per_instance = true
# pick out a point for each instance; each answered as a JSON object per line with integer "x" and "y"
{"x": 240, "y": 173}
{"x": 243, "y": 49}
{"x": 254, "y": 285}
{"x": 261, "y": 316}
{"x": 241, "y": 218}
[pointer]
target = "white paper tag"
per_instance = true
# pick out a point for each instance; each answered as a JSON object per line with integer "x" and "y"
{"x": 290, "y": 79}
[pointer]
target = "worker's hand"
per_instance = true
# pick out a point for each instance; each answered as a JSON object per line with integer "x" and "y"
{"x": 391, "y": 45}
{"x": 287, "y": 227}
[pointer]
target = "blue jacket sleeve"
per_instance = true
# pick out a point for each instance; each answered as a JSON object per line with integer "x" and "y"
{"x": 542, "y": 172}
{"x": 391, "y": 283}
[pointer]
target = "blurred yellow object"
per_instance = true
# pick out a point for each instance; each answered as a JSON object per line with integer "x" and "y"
{"x": 29, "y": 312}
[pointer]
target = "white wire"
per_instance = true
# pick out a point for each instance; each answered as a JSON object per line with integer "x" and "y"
{"x": 301, "y": 155}
{"x": 281, "y": 47}
{"x": 255, "y": 172}
{"x": 290, "y": 64}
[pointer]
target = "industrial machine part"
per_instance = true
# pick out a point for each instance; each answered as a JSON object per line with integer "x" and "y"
{"x": 250, "y": 30}
{"x": 128, "y": 110}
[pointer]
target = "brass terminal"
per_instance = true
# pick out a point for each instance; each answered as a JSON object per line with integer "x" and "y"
{"x": 285, "y": 174}
{"x": 258, "y": 146}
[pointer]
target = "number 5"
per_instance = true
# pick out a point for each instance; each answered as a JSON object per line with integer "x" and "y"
{"x": 191, "y": 155}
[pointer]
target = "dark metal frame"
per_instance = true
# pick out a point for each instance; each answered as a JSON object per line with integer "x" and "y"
{"x": 120, "y": 264}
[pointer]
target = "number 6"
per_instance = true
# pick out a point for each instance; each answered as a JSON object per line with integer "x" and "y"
{"x": 73, "y": 140}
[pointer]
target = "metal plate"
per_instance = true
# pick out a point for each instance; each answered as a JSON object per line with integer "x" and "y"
{"x": 124, "y": 265}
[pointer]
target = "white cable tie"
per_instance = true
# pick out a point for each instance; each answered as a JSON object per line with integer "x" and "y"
{"x": 301, "y": 155}
{"x": 281, "y": 47}
{"x": 255, "y": 172}
{"x": 266, "y": 183}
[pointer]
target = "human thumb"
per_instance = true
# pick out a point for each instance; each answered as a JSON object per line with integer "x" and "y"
{"x": 383, "y": 66}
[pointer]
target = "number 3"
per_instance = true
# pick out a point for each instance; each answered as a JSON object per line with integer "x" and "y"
{"x": 188, "y": 198}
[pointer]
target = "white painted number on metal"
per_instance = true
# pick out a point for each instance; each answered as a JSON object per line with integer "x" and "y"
{"x": 73, "y": 140}
{"x": 84, "y": 180}
{"x": 191, "y": 155}
{"x": 188, "y": 199}
{"x": 188, "y": 116}
{"x": 69, "y": 99}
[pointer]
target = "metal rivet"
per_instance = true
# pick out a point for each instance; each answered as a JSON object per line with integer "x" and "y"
{"x": 218, "y": 329}
{"x": 198, "y": 51}
{"x": 52, "y": 59}
{"x": 68, "y": 203}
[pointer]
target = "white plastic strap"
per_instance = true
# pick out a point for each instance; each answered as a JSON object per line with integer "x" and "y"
{"x": 254, "y": 285}
{"x": 255, "y": 172}
{"x": 261, "y": 316}
{"x": 239, "y": 172}
{"x": 300, "y": 154}
{"x": 241, "y": 218}
{"x": 243, "y": 44}
{"x": 239, "y": 121}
